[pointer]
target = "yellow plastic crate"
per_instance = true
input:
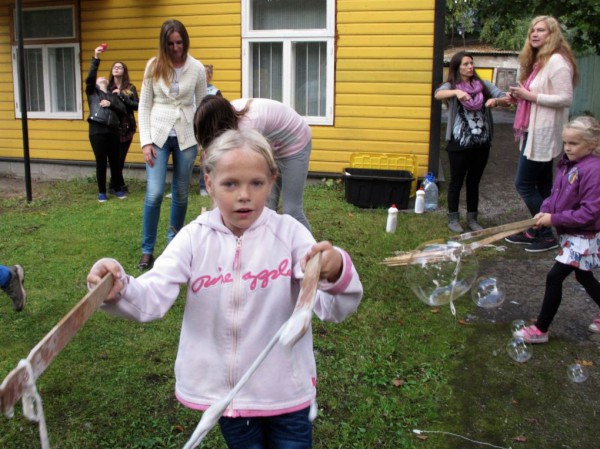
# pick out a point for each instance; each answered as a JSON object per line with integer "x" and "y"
{"x": 388, "y": 161}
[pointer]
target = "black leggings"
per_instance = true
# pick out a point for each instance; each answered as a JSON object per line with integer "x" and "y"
{"x": 123, "y": 150}
{"x": 553, "y": 295}
{"x": 468, "y": 164}
{"x": 106, "y": 146}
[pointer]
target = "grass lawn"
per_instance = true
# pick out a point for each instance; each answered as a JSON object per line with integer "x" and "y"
{"x": 393, "y": 366}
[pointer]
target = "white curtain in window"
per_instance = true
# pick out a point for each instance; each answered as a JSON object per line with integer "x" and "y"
{"x": 267, "y": 70}
{"x": 62, "y": 79}
{"x": 288, "y": 14}
{"x": 310, "y": 74}
{"x": 34, "y": 79}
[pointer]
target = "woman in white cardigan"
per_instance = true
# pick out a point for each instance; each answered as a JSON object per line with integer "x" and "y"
{"x": 174, "y": 83}
{"x": 543, "y": 95}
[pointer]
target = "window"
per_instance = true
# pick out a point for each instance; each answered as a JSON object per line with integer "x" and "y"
{"x": 288, "y": 54}
{"x": 51, "y": 63}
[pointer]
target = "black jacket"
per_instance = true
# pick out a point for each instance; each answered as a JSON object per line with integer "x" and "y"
{"x": 102, "y": 120}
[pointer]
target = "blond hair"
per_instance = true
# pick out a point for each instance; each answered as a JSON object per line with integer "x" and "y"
{"x": 556, "y": 43}
{"x": 589, "y": 130}
{"x": 233, "y": 139}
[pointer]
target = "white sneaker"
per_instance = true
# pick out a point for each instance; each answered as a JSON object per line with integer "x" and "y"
{"x": 595, "y": 326}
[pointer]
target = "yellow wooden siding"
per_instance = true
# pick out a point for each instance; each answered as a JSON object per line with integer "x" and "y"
{"x": 383, "y": 82}
{"x": 132, "y": 33}
{"x": 383, "y": 73}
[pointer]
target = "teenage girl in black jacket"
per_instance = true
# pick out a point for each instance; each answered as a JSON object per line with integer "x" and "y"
{"x": 106, "y": 110}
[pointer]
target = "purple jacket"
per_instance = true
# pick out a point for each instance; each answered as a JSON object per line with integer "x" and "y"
{"x": 575, "y": 199}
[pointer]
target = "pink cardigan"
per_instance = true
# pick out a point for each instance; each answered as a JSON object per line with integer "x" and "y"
{"x": 554, "y": 85}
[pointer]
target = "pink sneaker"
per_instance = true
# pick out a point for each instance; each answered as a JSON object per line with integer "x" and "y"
{"x": 595, "y": 326}
{"x": 531, "y": 334}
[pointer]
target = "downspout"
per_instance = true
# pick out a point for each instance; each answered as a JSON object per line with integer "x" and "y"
{"x": 436, "y": 106}
{"x": 23, "y": 99}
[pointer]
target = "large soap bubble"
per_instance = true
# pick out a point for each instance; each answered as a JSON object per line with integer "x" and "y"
{"x": 519, "y": 350}
{"x": 517, "y": 325}
{"x": 487, "y": 292}
{"x": 577, "y": 373}
{"x": 438, "y": 280}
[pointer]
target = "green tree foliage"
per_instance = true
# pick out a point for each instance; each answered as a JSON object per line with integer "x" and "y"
{"x": 504, "y": 24}
{"x": 460, "y": 18}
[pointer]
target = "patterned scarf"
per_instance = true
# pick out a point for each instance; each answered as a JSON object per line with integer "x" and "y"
{"x": 475, "y": 90}
{"x": 524, "y": 109}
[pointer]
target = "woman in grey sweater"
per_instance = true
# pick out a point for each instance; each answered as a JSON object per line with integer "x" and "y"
{"x": 468, "y": 133}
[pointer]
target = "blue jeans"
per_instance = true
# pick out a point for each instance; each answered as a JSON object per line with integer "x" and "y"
{"x": 289, "y": 431}
{"x": 293, "y": 171}
{"x": 4, "y": 276}
{"x": 183, "y": 165}
{"x": 534, "y": 184}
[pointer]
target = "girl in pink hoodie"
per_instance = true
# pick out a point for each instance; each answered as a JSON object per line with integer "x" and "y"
{"x": 243, "y": 265}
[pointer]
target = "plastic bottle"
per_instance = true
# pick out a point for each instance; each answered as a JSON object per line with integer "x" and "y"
{"x": 392, "y": 219}
{"x": 432, "y": 193}
{"x": 420, "y": 201}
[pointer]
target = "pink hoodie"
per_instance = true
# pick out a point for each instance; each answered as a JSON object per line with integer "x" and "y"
{"x": 239, "y": 293}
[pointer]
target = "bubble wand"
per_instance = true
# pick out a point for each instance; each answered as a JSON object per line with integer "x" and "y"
{"x": 489, "y": 235}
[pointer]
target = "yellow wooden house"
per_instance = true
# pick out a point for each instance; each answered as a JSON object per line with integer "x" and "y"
{"x": 361, "y": 72}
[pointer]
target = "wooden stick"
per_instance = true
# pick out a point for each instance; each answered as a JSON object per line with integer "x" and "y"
{"x": 289, "y": 333}
{"x": 301, "y": 318}
{"x": 491, "y": 235}
{"x": 514, "y": 227}
{"x": 50, "y": 346}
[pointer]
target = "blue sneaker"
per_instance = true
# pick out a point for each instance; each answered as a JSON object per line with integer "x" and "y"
{"x": 102, "y": 198}
{"x": 121, "y": 195}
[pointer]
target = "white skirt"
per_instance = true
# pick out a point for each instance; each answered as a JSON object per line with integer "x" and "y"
{"x": 579, "y": 251}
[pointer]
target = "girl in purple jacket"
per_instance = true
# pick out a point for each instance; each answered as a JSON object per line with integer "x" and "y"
{"x": 243, "y": 266}
{"x": 573, "y": 208}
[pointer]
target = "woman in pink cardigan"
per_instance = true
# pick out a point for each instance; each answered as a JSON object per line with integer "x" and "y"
{"x": 543, "y": 96}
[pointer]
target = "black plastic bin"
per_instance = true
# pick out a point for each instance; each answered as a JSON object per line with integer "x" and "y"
{"x": 367, "y": 187}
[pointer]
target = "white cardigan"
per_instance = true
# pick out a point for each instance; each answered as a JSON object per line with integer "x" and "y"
{"x": 554, "y": 86}
{"x": 159, "y": 112}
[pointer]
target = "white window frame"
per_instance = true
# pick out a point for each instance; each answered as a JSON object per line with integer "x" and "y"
{"x": 289, "y": 37}
{"x": 45, "y": 45}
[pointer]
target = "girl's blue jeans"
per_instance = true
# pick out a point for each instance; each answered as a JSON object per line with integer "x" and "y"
{"x": 156, "y": 176}
{"x": 289, "y": 431}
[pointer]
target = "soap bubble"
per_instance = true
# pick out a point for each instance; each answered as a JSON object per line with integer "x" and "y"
{"x": 487, "y": 292}
{"x": 437, "y": 282}
{"x": 519, "y": 350}
{"x": 577, "y": 373}
{"x": 517, "y": 325}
